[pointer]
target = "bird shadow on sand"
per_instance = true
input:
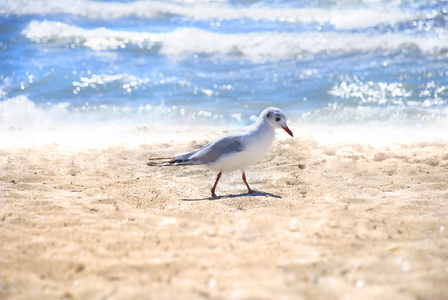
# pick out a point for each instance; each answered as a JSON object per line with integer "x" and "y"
{"x": 231, "y": 196}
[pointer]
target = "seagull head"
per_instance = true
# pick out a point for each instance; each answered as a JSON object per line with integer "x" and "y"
{"x": 276, "y": 118}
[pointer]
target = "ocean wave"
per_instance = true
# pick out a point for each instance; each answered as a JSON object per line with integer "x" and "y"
{"x": 256, "y": 46}
{"x": 105, "y": 81}
{"x": 406, "y": 116}
{"x": 357, "y": 93}
{"x": 340, "y": 18}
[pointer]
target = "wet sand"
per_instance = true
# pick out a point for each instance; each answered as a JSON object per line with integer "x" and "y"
{"x": 91, "y": 220}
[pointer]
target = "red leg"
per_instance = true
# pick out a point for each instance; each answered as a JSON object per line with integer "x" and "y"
{"x": 248, "y": 187}
{"x": 216, "y": 183}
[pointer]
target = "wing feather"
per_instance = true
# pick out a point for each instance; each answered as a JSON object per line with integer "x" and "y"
{"x": 209, "y": 153}
{"x": 214, "y": 150}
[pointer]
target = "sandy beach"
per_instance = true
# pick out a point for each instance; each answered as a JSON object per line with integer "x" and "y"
{"x": 83, "y": 219}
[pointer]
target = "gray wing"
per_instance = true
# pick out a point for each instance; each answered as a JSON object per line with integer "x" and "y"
{"x": 211, "y": 152}
{"x": 214, "y": 150}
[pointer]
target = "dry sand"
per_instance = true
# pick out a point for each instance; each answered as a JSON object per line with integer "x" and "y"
{"x": 90, "y": 220}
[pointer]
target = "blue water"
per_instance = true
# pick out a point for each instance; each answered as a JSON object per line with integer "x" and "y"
{"x": 143, "y": 63}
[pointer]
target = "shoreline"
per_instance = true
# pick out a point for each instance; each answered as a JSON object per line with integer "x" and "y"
{"x": 84, "y": 217}
{"x": 83, "y": 137}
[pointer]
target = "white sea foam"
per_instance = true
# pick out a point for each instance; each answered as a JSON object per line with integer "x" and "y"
{"x": 20, "y": 112}
{"x": 202, "y": 10}
{"x": 97, "y": 39}
{"x": 256, "y": 46}
{"x": 24, "y": 114}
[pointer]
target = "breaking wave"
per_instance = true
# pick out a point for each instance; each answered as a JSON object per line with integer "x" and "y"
{"x": 196, "y": 10}
{"x": 260, "y": 45}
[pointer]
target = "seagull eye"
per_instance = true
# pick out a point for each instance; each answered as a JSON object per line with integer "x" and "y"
{"x": 277, "y": 119}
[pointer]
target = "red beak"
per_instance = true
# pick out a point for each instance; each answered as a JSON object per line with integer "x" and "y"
{"x": 288, "y": 130}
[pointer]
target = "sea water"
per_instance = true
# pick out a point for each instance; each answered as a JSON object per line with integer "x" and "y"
{"x": 337, "y": 64}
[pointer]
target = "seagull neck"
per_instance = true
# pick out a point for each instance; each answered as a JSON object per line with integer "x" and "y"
{"x": 263, "y": 126}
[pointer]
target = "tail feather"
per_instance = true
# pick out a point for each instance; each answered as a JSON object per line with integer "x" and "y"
{"x": 169, "y": 161}
{"x": 161, "y": 161}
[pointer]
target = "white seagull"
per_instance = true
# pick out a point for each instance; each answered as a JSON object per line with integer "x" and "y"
{"x": 236, "y": 150}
